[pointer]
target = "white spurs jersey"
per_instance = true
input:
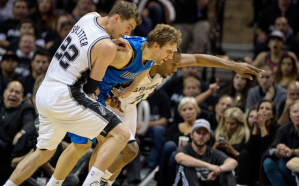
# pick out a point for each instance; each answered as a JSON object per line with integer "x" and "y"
{"x": 71, "y": 63}
{"x": 145, "y": 88}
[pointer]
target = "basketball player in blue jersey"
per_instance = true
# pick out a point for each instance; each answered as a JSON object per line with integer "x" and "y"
{"x": 160, "y": 45}
{"x": 64, "y": 105}
{"x": 188, "y": 60}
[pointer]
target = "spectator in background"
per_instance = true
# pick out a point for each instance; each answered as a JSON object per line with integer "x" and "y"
{"x": 251, "y": 117}
{"x": 232, "y": 133}
{"x": 5, "y": 9}
{"x": 174, "y": 87}
{"x": 57, "y": 28}
{"x": 65, "y": 28}
{"x": 25, "y": 53}
{"x": 266, "y": 89}
{"x": 238, "y": 89}
{"x": 191, "y": 20}
{"x": 39, "y": 65}
{"x": 159, "y": 115}
{"x": 9, "y": 28}
{"x": 284, "y": 146}
{"x": 262, "y": 135}
{"x": 189, "y": 110}
{"x": 83, "y": 7}
{"x": 8, "y": 65}
{"x": 26, "y": 27}
{"x": 292, "y": 95}
{"x": 293, "y": 165}
{"x": 200, "y": 164}
{"x": 286, "y": 72}
{"x": 17, "y": 117}
{"x": 267, "y": 20}
{"x": 276, "y": 53}
{"x": 44, "y": 18}
{"x": 292, "y": 40}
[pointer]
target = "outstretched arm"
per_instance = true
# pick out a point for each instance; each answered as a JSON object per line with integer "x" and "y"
{"x": 243, "y": 69}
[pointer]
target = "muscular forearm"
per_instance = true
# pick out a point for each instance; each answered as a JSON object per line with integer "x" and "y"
{"x": 212, "y": 61}
{"x": 229, "y": 165}
{"x": 161, "y": 121}
{"x": 189, "y": 161}
{"x": 293, "y": 164}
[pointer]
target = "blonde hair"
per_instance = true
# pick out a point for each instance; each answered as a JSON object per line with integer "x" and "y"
{"x": 242, "y": 131}
{"x": 192, "y": 80}
{"x": 186, "y": 100}
{"x": 164, "y": 34}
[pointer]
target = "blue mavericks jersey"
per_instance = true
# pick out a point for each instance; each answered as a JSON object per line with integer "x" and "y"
{"x": 129, "y": 73}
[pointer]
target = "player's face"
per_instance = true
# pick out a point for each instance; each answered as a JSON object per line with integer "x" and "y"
{"x": 122, "y": 27}
{"x": 162, "y": 54}
{"x": 166, "y": 69}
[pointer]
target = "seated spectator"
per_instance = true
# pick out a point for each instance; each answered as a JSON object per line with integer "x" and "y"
{"x": 277, "y": 51}
{"x": 292, "y": 40}
{"x": 25, "y": 53}
{"x": 39, "y": 65}
{"x": 188, "y": 109}
{"x": 44, "y": 17}
{"x": 266, "y": 89}
{"x": 286, "y": 72}
{"x": 232, "y": 133}
{"x": 262, "y": 135}
{"x": 192, "y": 20}
{"x": 26, "y": 27}
{"x": 5, "y": 9}
{"x": 292, "y": 95}
{"x": 59, "y": 32}
{"x": 174, "y": 87}
{"x": 202, "y": 165}
{"x": 238, "y": 89}
{"x": 17, "y": 117}
{"x": 83, "y": 7}
{"x": 9, "y": 28}
{"x": 267, "y": 20}
{"x": 224, "y": 103}
{"x": 159, "y": 115}
{"x": 284, "y": 146}
{"x": 293, "y": 165}
{"x": 64, "y": 30}
{"x": 251, "y": 117}
{"x": 8, "y": 65}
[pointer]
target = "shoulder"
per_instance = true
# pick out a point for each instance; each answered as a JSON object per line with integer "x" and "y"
{"x": 105, "y": 46}
{"x": 217, "y": 153}
{"x": 280, "y": 89}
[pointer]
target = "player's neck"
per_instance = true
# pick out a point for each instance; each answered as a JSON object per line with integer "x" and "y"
{"x": 147, "y": 53}
{"x": 104, "y": 22}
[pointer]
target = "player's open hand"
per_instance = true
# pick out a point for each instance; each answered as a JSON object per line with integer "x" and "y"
{"x": 122, "y": 44}
{"x": 114, "y": 102}
{"x": 244, "y": 69}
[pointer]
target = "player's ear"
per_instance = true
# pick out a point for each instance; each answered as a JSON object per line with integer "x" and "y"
{"x": 156, "y": 45}
{"x": 116, "y": 17}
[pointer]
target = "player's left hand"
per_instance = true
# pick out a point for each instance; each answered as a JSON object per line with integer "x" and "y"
{"x": 122, "y": 44}
{"x": 93, "y": 96}
{"x": 121, "y": 93}
{"x": 244, "y": 69}
{"x": 114, "y": 102}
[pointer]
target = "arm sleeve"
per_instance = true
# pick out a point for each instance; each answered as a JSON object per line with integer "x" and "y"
{"x": 218, "y": 157}
{"x": 28, "y": 118}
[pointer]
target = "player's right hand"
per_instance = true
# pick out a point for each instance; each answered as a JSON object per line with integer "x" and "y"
{"x": 114, "y": 102}
{"x": 122, "y": 44}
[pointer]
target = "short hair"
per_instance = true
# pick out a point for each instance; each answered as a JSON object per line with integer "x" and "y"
{"x": 14, "y": 3}
{"x": 21, "y": 37}
{"x": 22, "y": 88}
{"x": 41, "y": 53}
{"x": 188, "y": 100}
{"x": 164, "y": 34}
{"x": 26, "y": 20}
{"x": 193, "y": 80}
{"x": 126, "y": 11}
{"x": 224, "y": 96}
{"x": 266, "y": 67}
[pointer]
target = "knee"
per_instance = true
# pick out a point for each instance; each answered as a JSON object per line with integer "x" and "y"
{"x": 45, "y": 154}
{"x": 169, "y": 146}
{"x": 130, "y": 152}
{"x": 282, "y": 166}
{"x": 268, "y": 165}
{"x": 159, "y": 130}
{"x": 121, "y": 133}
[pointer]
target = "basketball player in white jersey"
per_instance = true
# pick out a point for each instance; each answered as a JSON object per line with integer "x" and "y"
{"x": 64, "y": 104}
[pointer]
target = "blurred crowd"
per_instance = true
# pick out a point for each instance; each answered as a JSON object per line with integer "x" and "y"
{"x": 223, "y": 132}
